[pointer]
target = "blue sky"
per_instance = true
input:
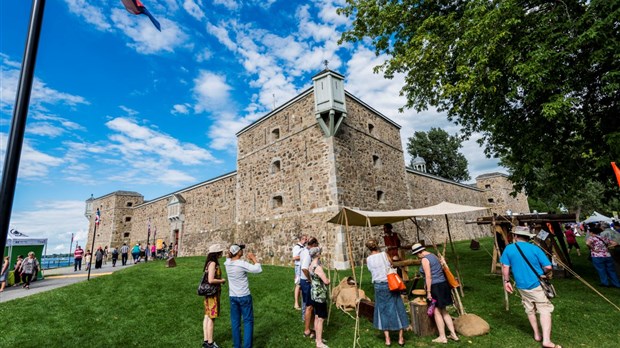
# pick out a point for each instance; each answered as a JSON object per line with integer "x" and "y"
{"x": 117, "y": 105}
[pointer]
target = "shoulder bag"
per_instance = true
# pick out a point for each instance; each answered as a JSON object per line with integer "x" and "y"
{"x": 395, "y": 283}
{"x": 205, "y": 288}
{"x": 544, "y": 282}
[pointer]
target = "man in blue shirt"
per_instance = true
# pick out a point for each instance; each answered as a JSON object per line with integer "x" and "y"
{"x": 532, "y": 295}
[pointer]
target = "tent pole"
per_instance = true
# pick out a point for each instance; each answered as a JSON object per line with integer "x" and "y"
{"x": 458, "y": 272}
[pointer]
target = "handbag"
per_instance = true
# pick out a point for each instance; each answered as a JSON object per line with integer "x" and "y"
{"x": 395, "y": 283}
{"x": 545, "y": 283}
{"x": 450, "y": 277}
{"x": 205, "y": 288}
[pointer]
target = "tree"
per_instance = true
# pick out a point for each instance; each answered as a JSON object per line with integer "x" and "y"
{"x": 441, "y": 153}
{"x": 540, "y": 80}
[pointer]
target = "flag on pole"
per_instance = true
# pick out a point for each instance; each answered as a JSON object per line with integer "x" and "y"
{"x": 97, "y": 217}
{"x": 617, "y": 171}
{"x": 136, "y": 7}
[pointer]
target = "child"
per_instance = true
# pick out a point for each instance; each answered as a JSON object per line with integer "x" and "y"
{"x": 88, "y": 258}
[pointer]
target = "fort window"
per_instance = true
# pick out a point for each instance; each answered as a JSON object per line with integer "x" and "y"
{"x": 126, "y": 235}
{"x": 276, "y": 166}
{"x": 275, "y": 134}
{"x": 380, "y": 196}
{"x": 371, "y": 129}
{"x": 487, "y": 186}
{"x": 376, "y": 161}
{"x": 127, "y": 218}
{"x": 129, "y": 204}
{"x": 276, "y": 202}
{"x": 491, "y": 200}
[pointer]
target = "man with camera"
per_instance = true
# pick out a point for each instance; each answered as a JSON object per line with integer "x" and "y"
{"x": 532, "y": 295}
{"x": 239, "y": 294}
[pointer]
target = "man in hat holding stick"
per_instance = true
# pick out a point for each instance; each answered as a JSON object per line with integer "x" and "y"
{"x": 532, "y": 295}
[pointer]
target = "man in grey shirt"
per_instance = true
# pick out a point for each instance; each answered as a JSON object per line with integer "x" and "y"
{"x": 239, "y": 294}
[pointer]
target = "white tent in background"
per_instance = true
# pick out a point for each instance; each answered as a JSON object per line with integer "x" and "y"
{"x": 597, "y": 217}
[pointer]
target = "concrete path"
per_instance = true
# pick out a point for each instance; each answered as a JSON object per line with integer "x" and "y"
{"x": 59, "y": 277}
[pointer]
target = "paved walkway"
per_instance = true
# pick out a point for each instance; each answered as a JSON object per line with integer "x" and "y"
{"x": 59, "y": 277}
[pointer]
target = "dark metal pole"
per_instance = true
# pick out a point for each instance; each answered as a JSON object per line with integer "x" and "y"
{"x": 18, "y": 126}
{"x": 91, "y": 252}
{"x": 148, "y": 248}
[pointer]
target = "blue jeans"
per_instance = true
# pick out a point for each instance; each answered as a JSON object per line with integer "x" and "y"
{"x": 242, "y": 307}
{"x": 606, "y": 271}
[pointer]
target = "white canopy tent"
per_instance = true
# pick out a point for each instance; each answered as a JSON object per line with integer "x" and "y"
{"x": 597, "y": 217}
{"x": 354, "y": 217}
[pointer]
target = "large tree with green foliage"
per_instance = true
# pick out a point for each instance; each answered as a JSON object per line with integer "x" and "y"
{"x": 440, "y": 150}
{"x": 540, "y": 80}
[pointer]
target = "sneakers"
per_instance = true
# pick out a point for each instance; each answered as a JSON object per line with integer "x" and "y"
{"x": 206, "y": 344}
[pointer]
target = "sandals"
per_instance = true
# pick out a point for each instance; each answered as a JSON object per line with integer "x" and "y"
{"x": 455, "y": 338}
{"x": 440, "y": 340}
{"x": 311, "y": 334}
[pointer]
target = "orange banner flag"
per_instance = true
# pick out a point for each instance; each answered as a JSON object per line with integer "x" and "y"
{"x": 617, "y": 171}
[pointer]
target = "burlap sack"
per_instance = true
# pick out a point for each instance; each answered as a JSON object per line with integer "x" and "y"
{"x": 471, "y": 325}
{"x": 344, "y": 295}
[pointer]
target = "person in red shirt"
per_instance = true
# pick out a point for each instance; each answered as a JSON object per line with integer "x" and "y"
{"x": 77, "y": 258}
{"x": 571, "y": 240}
{"x": 392, "y": 242}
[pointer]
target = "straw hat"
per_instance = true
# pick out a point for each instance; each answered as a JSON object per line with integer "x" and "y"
{"x": 523, "y": 231}
{"x": 216, "y": 248}
{"x": 416, "y": 248}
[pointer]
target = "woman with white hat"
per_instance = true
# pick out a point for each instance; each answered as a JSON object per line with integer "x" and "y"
{"x": 437, "y": 291}
{"x": 212, "y": 303}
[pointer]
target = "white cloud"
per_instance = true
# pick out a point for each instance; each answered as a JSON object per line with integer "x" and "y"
{"x": 89, "y": 13}
{"x": 41, "y": 94}
{"x": 211, "y": 92}
{"x": 229, "y": 4}
{"x": 221, "y": 34}
{"x": 67, "y": 217}
{"x": 129, "y": 111}
{"x": 136, "y": 141}
{"x": 33, "y": 164}
{"x": 194, "y": 8}
{"x": 44, "y": 129}
{"x": 180, "y": 109}
{"x": 145, "y": 37}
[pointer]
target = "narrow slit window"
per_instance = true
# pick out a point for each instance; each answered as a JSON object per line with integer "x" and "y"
{"x": 371, "y": 129}
{"x": 491, "y": 200}
{"x": 126, "y": 234}
{"x": 276, "y": 166}
{"x": 129, "y": 204}
{"x": 376, "y": 161}
{"x": 380, "y": 196}
{"x": 127, "y": 218}
{"x": 275, "y": 134}
{"x": 487, "y": 186}
{"x": 277, "y": 202}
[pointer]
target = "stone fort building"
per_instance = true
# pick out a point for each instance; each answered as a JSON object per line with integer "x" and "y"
{"x": 296, "y": 167}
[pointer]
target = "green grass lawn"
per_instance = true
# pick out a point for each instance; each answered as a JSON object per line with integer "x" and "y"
{"x": 153, "y": 306}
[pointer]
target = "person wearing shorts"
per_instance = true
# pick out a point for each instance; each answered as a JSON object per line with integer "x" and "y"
{"x": 527, "y": 283}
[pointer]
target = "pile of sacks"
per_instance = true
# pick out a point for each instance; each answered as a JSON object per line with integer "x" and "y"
{"x": 344, "y": 295}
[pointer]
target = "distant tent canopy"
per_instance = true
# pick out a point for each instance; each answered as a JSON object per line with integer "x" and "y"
{"x": 597, "y": 217}
{"x": 354, "y": 217}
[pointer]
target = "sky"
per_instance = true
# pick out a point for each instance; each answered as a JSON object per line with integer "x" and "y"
{"x": 118, "y": 105}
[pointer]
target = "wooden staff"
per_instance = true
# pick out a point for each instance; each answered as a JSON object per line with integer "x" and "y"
{"x": 458, "y": 273}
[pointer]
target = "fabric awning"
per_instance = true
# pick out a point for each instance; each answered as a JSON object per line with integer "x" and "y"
{"x": 597, "y": 217}
{"x": 354, "y": 217}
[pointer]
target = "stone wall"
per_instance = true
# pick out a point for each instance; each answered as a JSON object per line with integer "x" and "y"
{"x": 427, "y": 190}
{"x": 497, "y": 194}
{"x": 117, "y": 218}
